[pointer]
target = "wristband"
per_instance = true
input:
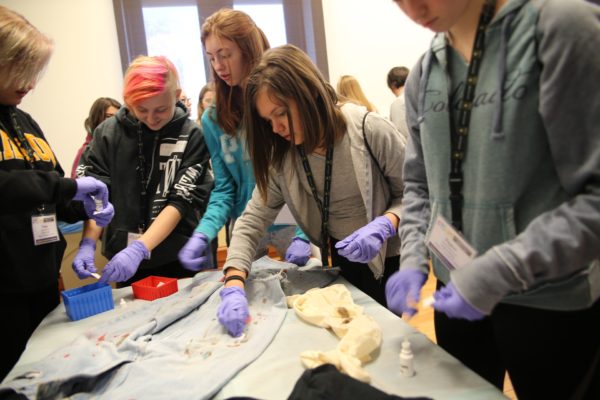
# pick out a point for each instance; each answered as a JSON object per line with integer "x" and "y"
{"x": 234, "y": 278}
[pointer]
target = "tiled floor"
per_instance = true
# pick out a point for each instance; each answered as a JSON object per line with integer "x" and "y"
{"x": 423, "y": 321}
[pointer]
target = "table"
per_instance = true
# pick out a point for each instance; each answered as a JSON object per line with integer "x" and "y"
{"x": 273, "y": 374}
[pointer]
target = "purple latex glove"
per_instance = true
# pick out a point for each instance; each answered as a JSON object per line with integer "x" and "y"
{"x": 403, "y": 290}
{"x": 362, "y": 245}
{"x": 125, "y": 263}
{"x": 104, "y": 216}
{"x": 298, "y": 252}
{"x": 449, "y": 301}
{"x": 88, "y": 186}
{"x": 83, "y": 263}
{"x": 195, "y": 255}
{"x": 88, "y": 191}
{"x": 233, "y": 311}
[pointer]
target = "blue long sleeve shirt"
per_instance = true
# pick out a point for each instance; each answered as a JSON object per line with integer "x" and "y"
{"x": 234, "y": 177}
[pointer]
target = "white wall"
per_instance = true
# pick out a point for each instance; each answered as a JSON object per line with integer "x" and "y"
{"x": 366, "y": 39}
{"x": 85, "y": 65}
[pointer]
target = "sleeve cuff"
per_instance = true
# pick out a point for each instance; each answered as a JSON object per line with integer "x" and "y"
{"x": 486, "y": 281}
{"x": 68, "y": 188}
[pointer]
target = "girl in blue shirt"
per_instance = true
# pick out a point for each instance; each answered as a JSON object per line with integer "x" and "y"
{"x": 234, "y": 44}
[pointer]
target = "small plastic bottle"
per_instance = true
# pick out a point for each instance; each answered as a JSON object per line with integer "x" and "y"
{"x": 99, "y": 204}
{"x": 406, "y": 359}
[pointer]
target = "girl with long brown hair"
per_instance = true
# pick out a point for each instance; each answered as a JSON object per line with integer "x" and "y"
{"x": 234, "y": 45}
{"x": 337, "y": 168}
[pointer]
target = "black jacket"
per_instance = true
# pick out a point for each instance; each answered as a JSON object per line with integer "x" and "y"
{"x": 24, "y": 267}
{"x": 177, "y": 169}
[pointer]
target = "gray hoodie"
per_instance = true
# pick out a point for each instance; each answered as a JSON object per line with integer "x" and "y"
{"x": 532, "y": 170}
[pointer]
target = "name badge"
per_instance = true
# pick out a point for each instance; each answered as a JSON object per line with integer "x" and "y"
{"x": 45, "y": 229}
{"x": 449, "y": 245}
{"x": 132, "y": 237}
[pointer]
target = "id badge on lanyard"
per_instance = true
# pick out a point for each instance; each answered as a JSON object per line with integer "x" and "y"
{"x": 449, "y": 245}
{"x": 44, "y": 227}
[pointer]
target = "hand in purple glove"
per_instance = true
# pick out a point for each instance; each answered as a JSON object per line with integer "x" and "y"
{"x": 88, "y": 186}
{"x": 403, "y": 289}
{"x": 104, "y": 216}
{"x": 195, "y": 255}
{"x": 90, "y": 190}
{"x": 233, "y": 311}
{"x": 83, "y": 263}
{"x": 298, "y": 252}
{"x": 449, "y": 301}
{"x": 362, "y": 245}
{"x": 125, "y": 263}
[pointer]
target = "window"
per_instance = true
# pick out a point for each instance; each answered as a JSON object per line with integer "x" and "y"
{"x": 172, "y": 28}
{"x": 174, "y": 32}
{"x": 269, "y": 17}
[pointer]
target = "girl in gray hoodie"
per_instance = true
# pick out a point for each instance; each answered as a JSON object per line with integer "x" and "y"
{"x": 517, "y": 81}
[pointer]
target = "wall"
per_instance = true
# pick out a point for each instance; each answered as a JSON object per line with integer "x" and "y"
{"x": 85, "y": 65}
{"x": 366, "y": 39}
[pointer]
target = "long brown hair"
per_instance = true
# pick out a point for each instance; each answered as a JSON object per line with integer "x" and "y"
{"x": 288, "y": 74}
{"x": 238, "y": 27}
{"x": 98, "y": 112}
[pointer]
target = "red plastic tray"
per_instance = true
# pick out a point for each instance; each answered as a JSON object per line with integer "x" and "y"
{"x": 154, "y": 287}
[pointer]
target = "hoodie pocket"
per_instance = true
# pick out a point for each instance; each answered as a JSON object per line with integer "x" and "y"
{"x": 484, "y": 226}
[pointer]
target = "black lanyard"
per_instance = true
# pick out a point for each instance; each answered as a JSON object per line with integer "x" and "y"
{"x": 324, "y": 205}
{"x": 22, "y": 144}
{"x": 459, "y": 130}
{"x": 25, "y": 149}
{"x": 144, "y": 179}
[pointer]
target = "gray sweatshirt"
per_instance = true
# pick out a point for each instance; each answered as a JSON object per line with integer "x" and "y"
{"x": 532, "y": 169}
{"x": 285, "y": 187}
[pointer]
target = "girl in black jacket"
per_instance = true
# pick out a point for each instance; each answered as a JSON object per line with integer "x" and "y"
{"x": 33, "y": 194}
{"x": 155, "y": 162}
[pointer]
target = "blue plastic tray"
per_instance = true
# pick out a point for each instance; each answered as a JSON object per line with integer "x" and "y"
{"x": 88, "y": 300}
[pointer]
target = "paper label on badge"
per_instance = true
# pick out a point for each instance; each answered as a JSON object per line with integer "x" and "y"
{"x": 449, "y": 245}
{"x": 132, "y": 237}
{"x": 45, "y": 229}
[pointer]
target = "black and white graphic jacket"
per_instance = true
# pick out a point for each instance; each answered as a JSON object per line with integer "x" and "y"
{"x": 176, "y": 169}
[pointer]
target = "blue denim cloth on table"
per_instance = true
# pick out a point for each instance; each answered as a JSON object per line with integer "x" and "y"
{"x": 170, "y": 348}
{"x": 294, "y": 279}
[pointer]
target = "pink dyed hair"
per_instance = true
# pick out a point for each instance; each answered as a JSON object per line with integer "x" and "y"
{"x": 147, "y": 77}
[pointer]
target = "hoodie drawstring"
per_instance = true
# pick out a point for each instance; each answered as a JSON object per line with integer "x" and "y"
{"x": 497, "y": 126}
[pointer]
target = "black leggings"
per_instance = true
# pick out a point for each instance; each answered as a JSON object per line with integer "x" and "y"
{"x": 361, "y": 276}
{"x": 548, "y": 354}
{"x": 20, "y": 315}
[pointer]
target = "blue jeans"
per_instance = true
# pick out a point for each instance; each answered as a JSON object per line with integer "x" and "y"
{"x": 170, "y": 348}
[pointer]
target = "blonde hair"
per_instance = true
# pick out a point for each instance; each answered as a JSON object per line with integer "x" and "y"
{"x": 349, "y": 89}
{"x": 24, "y": 51}
{"x": 238, "y": 27}
{"x": 287, "y": 74}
